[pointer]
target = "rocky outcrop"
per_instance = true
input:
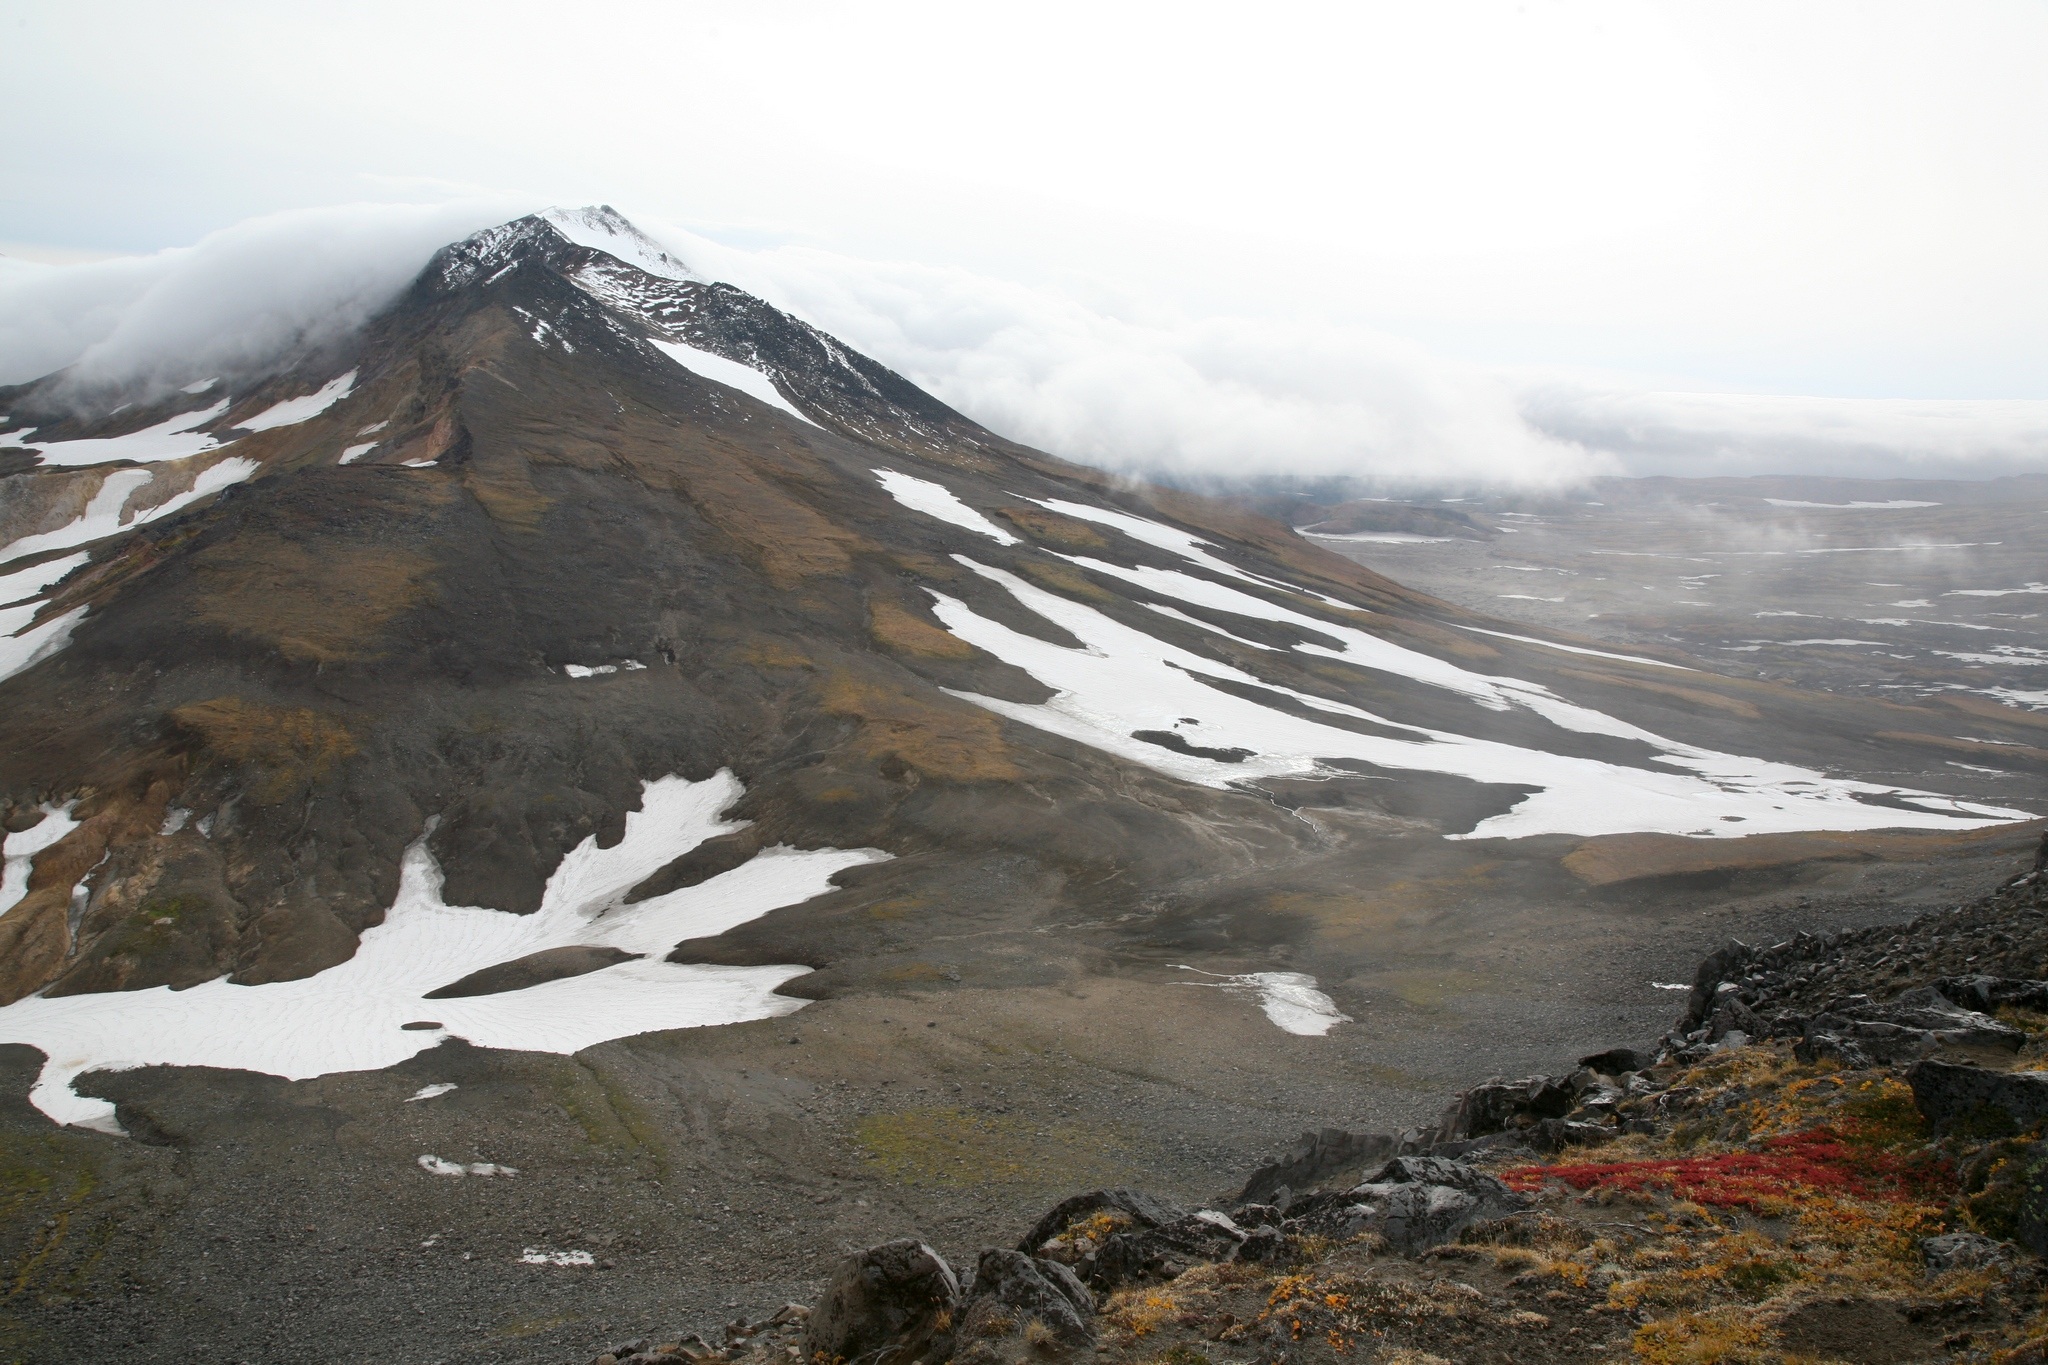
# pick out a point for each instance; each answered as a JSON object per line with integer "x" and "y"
{"x": 1419, "y": 1202}
{"x": 1983, "y": 1101}
{"x": 890, "y": 1303}
{"x": 1012, "y": 1292}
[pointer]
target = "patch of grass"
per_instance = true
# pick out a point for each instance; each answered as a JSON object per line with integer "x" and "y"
{"x": 291, "y": 747}
{"x": 44, "y": 1184}
{"x": 952, "y": 741}
{"x": 1064, "y": 579}
{"x": 958, "y": 1149}
{"x": 520, "y": 1328}
{"x": 311, "y": 606}
{"x": 1052, "y": 528}
{"x": 1717, "y": 1338}
{"x": 901, "y": 629}
{"x": 608, "y": 1116}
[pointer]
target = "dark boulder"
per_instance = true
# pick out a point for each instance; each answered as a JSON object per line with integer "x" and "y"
{"x": 1249, "y": 1216}
{"x": 1859, "y": 1031}
{"x": 1163, "y": 1252}
{"x": 1417, "y": 1202}
{"x": 1988, "y": 993}
{"x": 1316, "y": 1157}
{"x": 1500, "y": 1105}
{"x": 1616, "y": 1061}
{"x": 1011, "y": 1290}
{"x": 1135, "y": 1206}
{"x": 1724, "y": 964}
{"x": 886, "y": 1304}
{"x": 1978, "y": 1100}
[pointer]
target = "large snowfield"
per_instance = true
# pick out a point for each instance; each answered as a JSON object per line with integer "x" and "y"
{"x": 352, "y": 1017}
{"x": 1124, "y": 680}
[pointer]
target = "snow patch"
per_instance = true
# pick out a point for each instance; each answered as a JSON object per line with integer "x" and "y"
{"x": 24, "y": 585}
{"x": 596, "y": 670}
{"x": 104, "y": 515}
{"x": 174, "y": 438}
{"x": 351, "y": 1017}
{"x": 434, "y": 1165}
{"x": 353, "y": 453}
{"x": 20, "y": 849}
{"x": 1896, "y": 504}
{"x": 1123, "y": 681}
{"x": 293, "y": 411}
{"x": 730, "y": 373}
{"x": 1188, "y": 546}
{"x": 1383, "y": 537}
{"x": 537, "y": 1256}
{"x": 27, "y": 648}
{"x": 430, "y": 1092}
{"x": 602, "y": 228}
{"x": 1290, "y": 999}
{"x": 1577, "y": 649}
{"x": 937, "y": 500}
{"x": 1997, "y": 592}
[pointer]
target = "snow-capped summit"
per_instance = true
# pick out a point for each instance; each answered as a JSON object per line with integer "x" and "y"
{"x": 603, "y": 228}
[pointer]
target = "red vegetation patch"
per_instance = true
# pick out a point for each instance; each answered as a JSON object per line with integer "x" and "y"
{"x": 1764, "y": 1181}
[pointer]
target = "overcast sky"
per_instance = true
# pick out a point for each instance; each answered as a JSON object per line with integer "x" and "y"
{"x": 1330, "y": 237}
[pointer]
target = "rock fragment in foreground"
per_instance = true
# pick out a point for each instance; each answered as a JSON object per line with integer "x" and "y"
{"x": 888, "y": 1302}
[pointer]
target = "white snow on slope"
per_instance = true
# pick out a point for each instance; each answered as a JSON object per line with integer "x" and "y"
{"x": 730, "y": 373}
{"x": 104, "y": 515}
{"x": 1290, "y": 1000}
{"x": 20, "y": 850}
{"x": 1574, "y": 649}
{"x": 1998, "y": 592}
{"x": 1123, "y": 680}
{"x": 937, "y": 500}
{"x": 22, "y": 646}
{"x": 1182, "y": 543}
{"x": 350, "y": 1017}
{"x": 293, "y": 411}
{"x": 1381, "y": 537}
{"x": 601, "y": 229}
{"x": 1895, "y": 505}
{"x": 25, "y": 584}
{"x": 29, "y": 647}
{"x": 171, "y": 439}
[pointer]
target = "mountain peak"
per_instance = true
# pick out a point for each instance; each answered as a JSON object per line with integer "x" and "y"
{"x": 603, "y": 228}
{"x": 484, "y": 255}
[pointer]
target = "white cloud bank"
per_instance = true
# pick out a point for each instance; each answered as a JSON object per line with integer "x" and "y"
{"x": 1217, "y": 396}
{"x": 1729, "y": 433}
{"x": 237, "y": 301}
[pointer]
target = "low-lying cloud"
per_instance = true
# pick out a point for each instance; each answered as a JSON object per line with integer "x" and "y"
{"x": 1212, "y": 397}
{"x": 1699, "y": 434}
{"x": 240, "y": 300}
{"x": 1208, "y": 397}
